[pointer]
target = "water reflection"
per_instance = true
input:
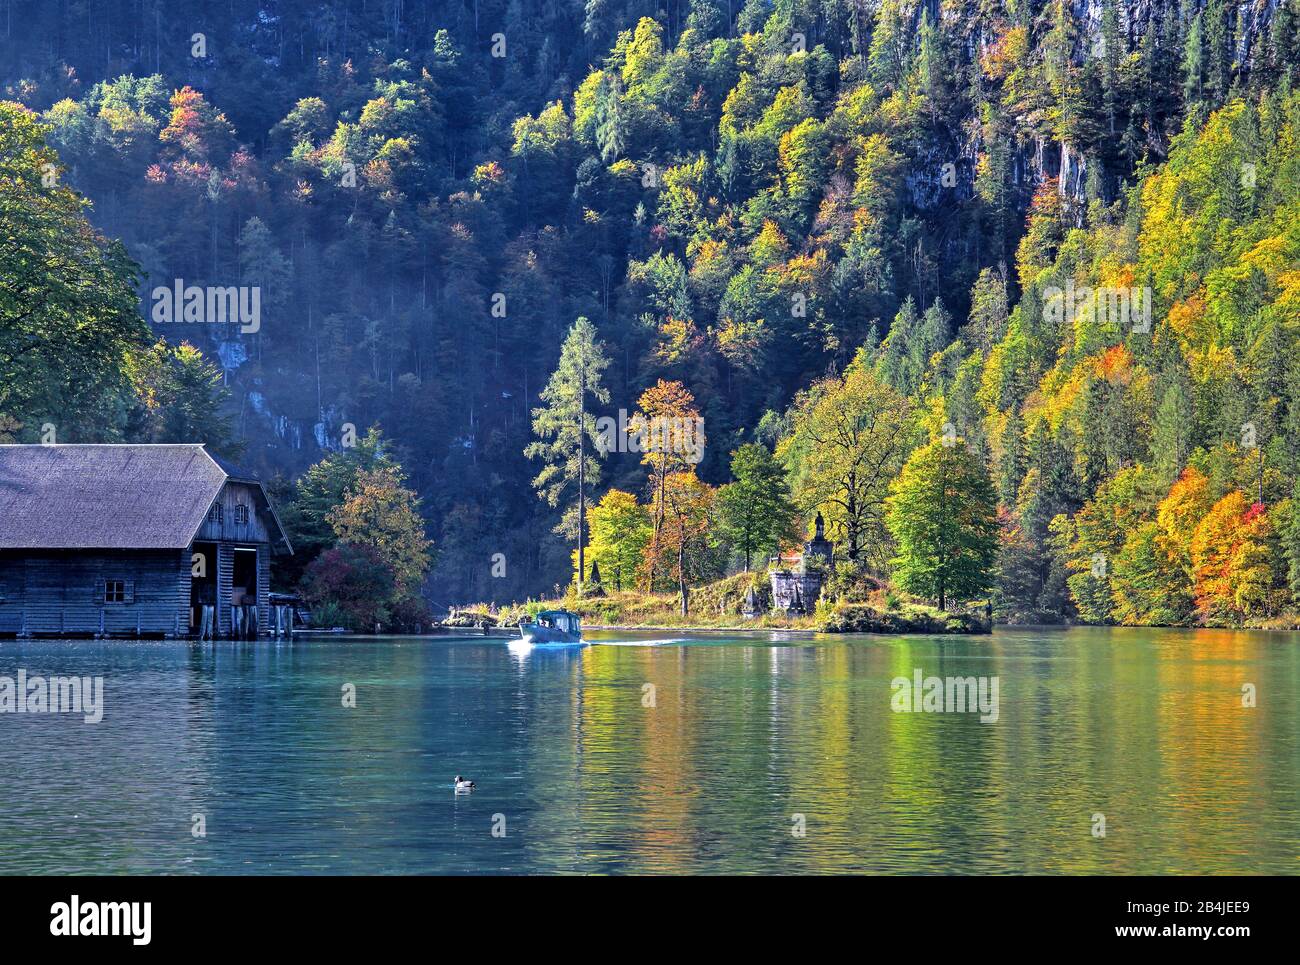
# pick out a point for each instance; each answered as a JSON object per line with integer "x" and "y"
{"x": 637, "y": 754}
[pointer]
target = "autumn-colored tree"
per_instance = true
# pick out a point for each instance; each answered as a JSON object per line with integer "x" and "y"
{"x": 196, "y": 131}
{"x": 1151, "y": 579}
{"x": 669, "y": 431}
{"x": 620, "y": 530}
{"x": 684, "y": 547}
{"x": 1233, "y": 556}
{"x": 352, "y": 583}
{"x": 1038, "y": 247}
{"x": 381, "y": 512}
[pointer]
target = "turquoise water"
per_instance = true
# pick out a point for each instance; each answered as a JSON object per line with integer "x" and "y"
{"x": 577, "y": 774}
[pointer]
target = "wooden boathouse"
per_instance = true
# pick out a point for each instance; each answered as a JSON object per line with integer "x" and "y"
{"x": 133, "y": 541}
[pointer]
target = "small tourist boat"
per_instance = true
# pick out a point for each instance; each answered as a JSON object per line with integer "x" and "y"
{"x": 552, "y": 626}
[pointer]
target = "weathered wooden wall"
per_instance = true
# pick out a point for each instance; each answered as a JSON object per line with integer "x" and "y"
{"x": 263, "y": 589}
{"x": 258, "y": 529}
{"x": 225, "y": 584}
{"x": 61, "y": 591}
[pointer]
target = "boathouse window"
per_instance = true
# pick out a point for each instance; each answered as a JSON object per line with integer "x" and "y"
{"x": 217, "y": 514}
{"x": 119, "y": 591}
{"x": 241, "y": 515}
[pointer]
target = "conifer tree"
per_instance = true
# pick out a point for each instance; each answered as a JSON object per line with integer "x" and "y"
{"x": 567, "y": 435}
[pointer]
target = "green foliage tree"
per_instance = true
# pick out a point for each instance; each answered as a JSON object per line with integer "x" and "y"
{"x": 611, "y": 119}
{"x": 756, "y": 513}
{"x": 1172, "y": 432}
{"x": 890, "y": 54}
{"x": 1094, "y": 538}
{"x": 181, "y": 397}
{"x": 68, "y": 309}
{"x": 901, "y": 364}
{"x": 943, "y": 517}
{"x": 1289, "y": 527}
{"x": 322, "y": 489}
{"x": 1147, "y": 586}
{"x": 849, "y": 437}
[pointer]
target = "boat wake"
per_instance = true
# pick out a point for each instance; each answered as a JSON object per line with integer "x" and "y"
{"x": 653, "y": 642}
{"x": 522, "y": 649}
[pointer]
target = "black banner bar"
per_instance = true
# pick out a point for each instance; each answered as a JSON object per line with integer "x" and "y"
{"x": 333, "y": 915}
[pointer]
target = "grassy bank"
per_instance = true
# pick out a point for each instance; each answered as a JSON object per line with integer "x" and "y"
{"x": 718, "y": 606}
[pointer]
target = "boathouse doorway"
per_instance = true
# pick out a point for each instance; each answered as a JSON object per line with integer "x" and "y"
{"x": 243, "y": 593}
{"x": 203, "y": 589}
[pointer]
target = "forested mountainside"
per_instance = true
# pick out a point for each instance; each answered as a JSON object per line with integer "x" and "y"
{"x": 1067, "y": 231}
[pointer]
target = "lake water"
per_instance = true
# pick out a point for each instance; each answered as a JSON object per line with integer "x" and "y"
{"x": 749, "y": 740}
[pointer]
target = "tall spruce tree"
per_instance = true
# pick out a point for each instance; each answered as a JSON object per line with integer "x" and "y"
{"x": 567, "y": 435}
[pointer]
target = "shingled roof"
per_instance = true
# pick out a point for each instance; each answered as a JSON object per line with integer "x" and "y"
{"x": 107, "y": 497}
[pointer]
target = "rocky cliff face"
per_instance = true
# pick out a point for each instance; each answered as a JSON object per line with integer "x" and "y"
{"x": 1036, "y": 159}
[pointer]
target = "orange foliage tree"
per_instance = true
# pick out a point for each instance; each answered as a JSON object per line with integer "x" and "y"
{"x": 667, "y": 413}
{"x": 1232, "y": 562}
{"x": 683, "y": 547}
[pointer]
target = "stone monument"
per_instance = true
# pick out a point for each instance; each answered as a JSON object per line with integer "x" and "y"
{"x": 819, "y": 546}
{"x": 796, "y": 592}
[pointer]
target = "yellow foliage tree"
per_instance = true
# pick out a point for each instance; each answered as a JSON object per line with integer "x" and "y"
{"x": 1232, "y": 562}
{"x": 381, "y": 512}
{"x": 619, "y": 528}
